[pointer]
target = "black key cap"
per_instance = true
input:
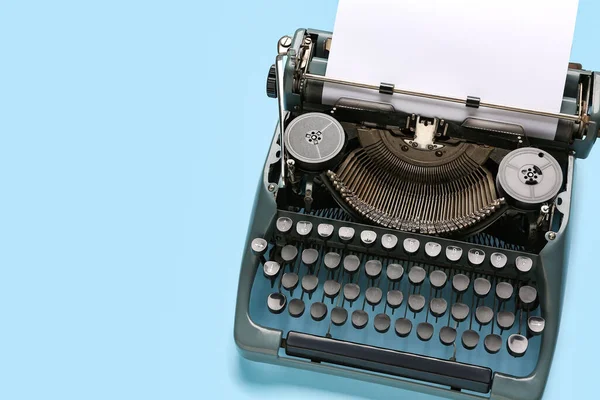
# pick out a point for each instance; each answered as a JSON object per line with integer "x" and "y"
{"x": 276, "y": 302}
{"x": 389, "y": 241}
{"x": 373, "y": 269}
{"x": 289, "y": 253}
{"x": 476, "y": 257}
{"x": 498, "y": 260}
{"x": 416, "y": 275}
{"x": 394, "y": 298}
{"x": 339, "y": 316}
{"x": 331, "y": 289}
{"x": 517, "y": 345}
{"x": 325, "y": 231}
{"x": 460, "y": 283}
{"x": 394, "y": 272}
{"x": 284, "y": 224}
{"x": 351, "y": 292}
{"x": 447, "y": 335}
{"x": 460, "y": 312}
{"x": 359, "y": 319}
{"x": 438, "y": 279}
{"x": 505, "y": 319}
{"x": 351, "y": 264}
{"x": 318, "y": 311}
{"x": 303, "y": 228}
{"x": 433, "y": 249}
{"x": 289, "y": 281}
{"x": 309, "y": 284}
{"x": 346, "y": 234}
{"x": 504, "y": 291}
{"x": 482, "y": 287}
{"x": 535, "y": 325}
{"x": 332, "y": 261}
{"x": 425, "y": 331}
{"x": 528, "y": 297}
{"x": 411, "y": 246}
{"x": 470, "y": 339}
{"x": 438, "y": 307}
{"x": 484, "y": 315}
{"x": 296, "y": 308}
{"x": 416, "y": 302}
{"x": 492, "y": 343}
{"x": 403, "y": 327}
{"x": 523, "y": 264}
{"x": 382, "y": 323}
{"x": 368, "y": 238}
{"x": 373, "y": 296}
{"x": 259, "y": 246}
{"x": 310, "y": 257}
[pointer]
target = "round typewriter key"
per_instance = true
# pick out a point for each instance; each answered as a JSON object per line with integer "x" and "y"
{"x": 433, "y": 249}
{"x": 289, "y": 281}
{"x": 403, "y": 327}
{"x": 498, "y": 260}
{"x": 447, "y": 335}
{"x": 504, "y": 291}
{"x": 482, "y": 287}
{"x": 318, "y": 311}
{"x": 438, "y": 307}
{"x": 438, "y": 279}
{"x": 359, "y": 319}
{"x": 460, "y": 283}
{"x": 505, "y": 319}
{"x": 394, "y": 298}
{"x": 332, "y": 261}
{"x": 484, "y": 315}
{"x": 303, "y": 228}
{"x": 517, "y": 345}
{"x": 276, "y": 302}
{"x": 351, "y": 264}
{"x": 416, "y": 302}
{"x": 411, "y": 246}
{"x": 476, "y": 257}
{"x": 453, "y": 253}
{"x": 373, "y": 269}
{"x": 309, "y": 284}
{"x": 425, "y": 331}
{"x": 527, "y": 297}
{"x": 416, "y": 275}
{"x": 394, "y": 272}
{"x": 310, "y": 257}
{"x": 339, "y": 316}
{"x": 373, "y": 296}
{"x": 470, "y": 339}
{"x": 368, "y": 238}
{"x": 389, "y": 241}
{"x": 460, "y": 312}
{"x": 535, "y": 325}
{"x": 382, "y": 323}
{"x": 284, "y": 224}
{"x": 331, "y": 289}
{"x": 259, "y": 246}
{"x": 325, "y": 231}
{"x": 271, "y": 270}
{"x": 346, "y": 234}
{"x": 351, "y": 292}
{"x": 296, "y": 308}
{"x": 492, "y": 343}
{"x": 524, "y": 264}
{"x": 289, "y": 253}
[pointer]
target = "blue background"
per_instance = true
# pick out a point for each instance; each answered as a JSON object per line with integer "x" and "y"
{"x": 132, "y": 135}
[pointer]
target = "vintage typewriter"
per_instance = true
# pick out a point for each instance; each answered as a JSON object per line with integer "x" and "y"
{"x": 407, "y": 249}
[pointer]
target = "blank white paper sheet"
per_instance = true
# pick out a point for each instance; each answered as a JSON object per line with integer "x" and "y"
{"x": 509, "y": 52}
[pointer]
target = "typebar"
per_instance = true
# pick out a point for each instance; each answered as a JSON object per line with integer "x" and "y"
{"x": 448, "y": 373}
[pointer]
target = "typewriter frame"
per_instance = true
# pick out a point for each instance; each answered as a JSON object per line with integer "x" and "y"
{"x": 263, "y": 344}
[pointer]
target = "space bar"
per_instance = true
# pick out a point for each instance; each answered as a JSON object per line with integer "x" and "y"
{"x": 413, "y": 366}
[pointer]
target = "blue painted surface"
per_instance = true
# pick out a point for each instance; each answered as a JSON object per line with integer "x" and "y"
{"x": 132, "y": 136}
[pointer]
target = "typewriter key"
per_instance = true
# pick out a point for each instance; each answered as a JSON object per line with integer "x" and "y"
{"x": 339, "y": 316}
{"x": 484, "y": 315}
{"x": 438, "y": 279}
{"x": 403, "y": 327}
{"x": 284, "y": 224}
{"x": 289, "y": 253}
{"x": 351, "y": 292}
{"x": 425, "y": 331}
{"x": 447, "y": 335}
{"x": 527, "y": 297}
{"x": 453, "y": 253}
{"x": 276, "y": 302}
{"x": 394, "y": 272}
{"x": 498, "y": 260}
{"x": 524, "y": 264}
{"x": 389, "y": 241}
{"x": 535, "y": 325}
{"x": 259, "y": 247}
{"x": 296, "y": 308}
{"x": 331, "y": 289}
{"x": 309, "y": 284}
{"x": 373, "y": 296}
{"x": 460, "y": 312}
{"x": 411, "y": 246}
{"x": 310, "y": 257}
{"x": 505, "y": 320}
{"x": 303, "y": 228}
{"x": 416, "y": 302}
{"x": 373, "y": 269}
{"x": 433, "y": 249}
{"x": 351, "y": 264}
{"x": 470, "y": 339}
{"x": 332, "y": 261}
{"x": 416, "y": 275}
{"x": 517, "y": 345}
{"x": 438, "y": 307}
{"x": 476, "y": 257}
{"x": 359, "y": 319}
{"x": 271, "y": 270}
{"x": 325, "y": 231}
{"x": 346, "y": 234}
{"x": 394, "y": 298}
{"x": 482, "y": 287}
{"x": 492, "y": 343}
{"x": 318, "y": 311}
{"x": 382, "y": 323}
{"x": 289, "y": 281}
{"x": 504, "y": 291}
{"x": 460, "y": 283}
{"x": 368, "y": 238}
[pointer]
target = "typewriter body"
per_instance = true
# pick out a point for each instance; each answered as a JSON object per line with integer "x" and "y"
{"x": 406, "y": 249}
